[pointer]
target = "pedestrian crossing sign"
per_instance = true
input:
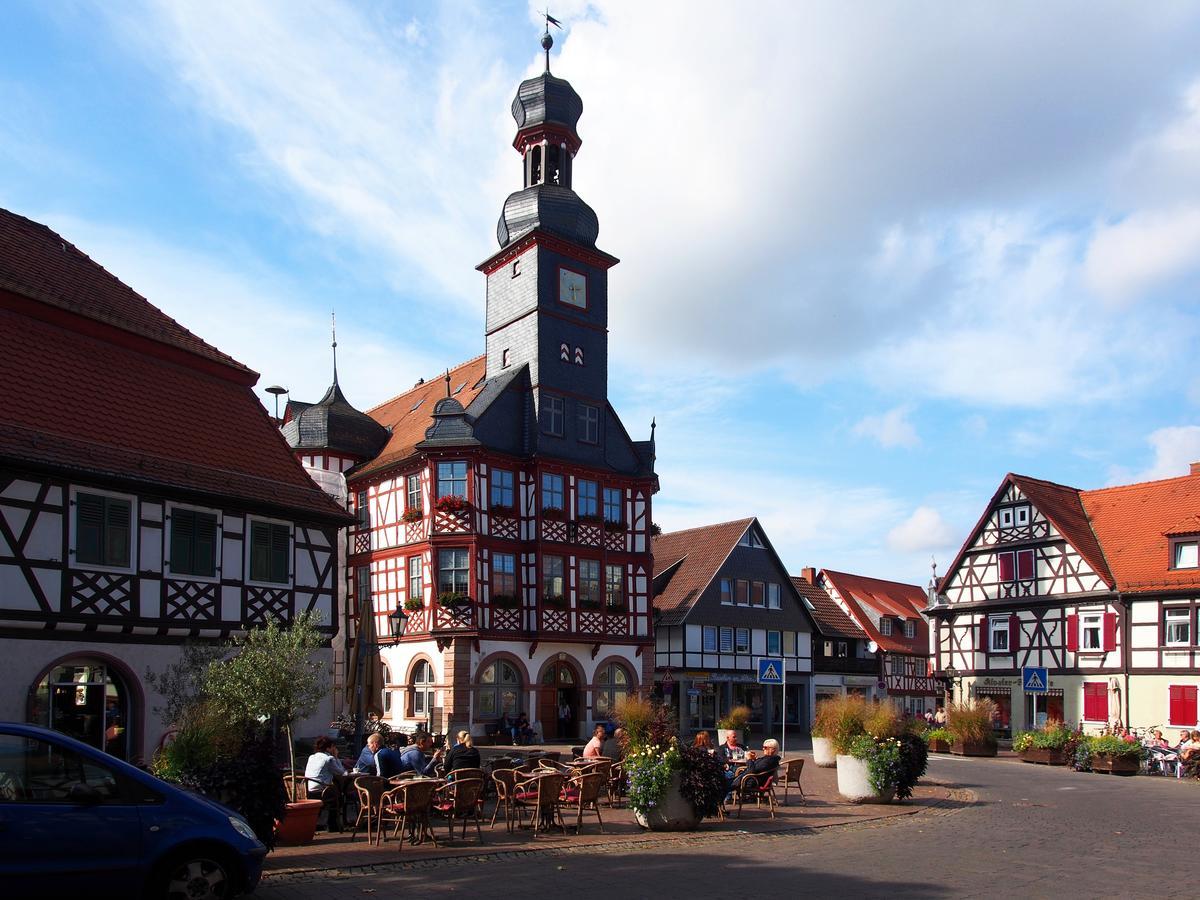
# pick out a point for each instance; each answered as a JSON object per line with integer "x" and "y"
{"x": 1034, "y": 679}
{"x": 770, "y": 670}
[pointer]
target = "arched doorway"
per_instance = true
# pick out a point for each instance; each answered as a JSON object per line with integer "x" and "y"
{"x": 558, "y": 701}
{"x": 87, "y": 700}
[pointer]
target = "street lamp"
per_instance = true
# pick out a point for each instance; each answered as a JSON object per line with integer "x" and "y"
{"x": 950, "y": 674}
{"x": 397, "y": 622}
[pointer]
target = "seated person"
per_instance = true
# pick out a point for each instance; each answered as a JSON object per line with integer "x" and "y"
{"x": 763, "y": 766}
{"x": 366, "y": 759}
{"x": 416, "y": 757}
{"x": 730, "y": 751}
{"x": 388, "y": 762}
{"x": 507, "y": 727}
{"x": 462, "y": 755}
{"x": 523, "y": 732}
{"x": 592, "y": 750}
{"x": 614, "y": 747}
{"x": 1191, "y": 750}
{"x": 323, "y": 770}
{"x": 703, "y": 741}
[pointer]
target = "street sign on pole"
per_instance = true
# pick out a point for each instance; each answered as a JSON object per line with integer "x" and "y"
{"x": 1034, "y": 679}
{"x": 668, "y": 683}
{"x": 770, "y": 670}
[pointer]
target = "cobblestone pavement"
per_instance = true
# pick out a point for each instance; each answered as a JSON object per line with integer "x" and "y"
{"x": 1004, "y": 829}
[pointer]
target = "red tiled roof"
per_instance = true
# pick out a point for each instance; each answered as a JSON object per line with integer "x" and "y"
{"x": 1133, "y": 523}
{"x": 1061, "y": 505}
{"x": 37, "y": 263}
{"x": 886, "y": 598}
{"x": 831, "y": 618}
{"x": 408, "y": 414}
{"x": 702, "y": 551}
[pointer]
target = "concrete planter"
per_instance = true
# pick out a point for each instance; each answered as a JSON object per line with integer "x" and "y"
{"x": 673, "y": 813}
{"x": 823, "y": 754}
{"x": 854, "y": 781}
{"x": 1115, "y": 765}
{"x": 973, "y": 748}
{"x": 1044, "y": 756}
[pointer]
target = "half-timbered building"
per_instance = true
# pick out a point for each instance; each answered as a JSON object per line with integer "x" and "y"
{"x": 508, "y": 510}
{"x": 890, "y": 612}
{"x": 844, "y": 661}
{"x": 1100, "y": 587}
{"x": 146, "y": 498}
{"x": 723, "y": 600}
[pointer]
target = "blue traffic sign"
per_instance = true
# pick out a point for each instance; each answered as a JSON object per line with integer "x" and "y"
{"x": 770, "y": 670}
{"x": 1034, "y": 679}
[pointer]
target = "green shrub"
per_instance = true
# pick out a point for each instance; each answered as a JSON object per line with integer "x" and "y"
{"x": 840, "y": 719}
{"x": 884, "y": 720}
{"x": 1111, "y": 745}
{"x": 1022, "y": 741}
{"x": 937, "y": 734}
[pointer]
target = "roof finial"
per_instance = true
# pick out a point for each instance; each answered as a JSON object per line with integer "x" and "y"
{"x": 547, "y": 40}
{"x": 653, "y": 425}
{"x": 447, "y": 382}
{"x": 333, "y": 328}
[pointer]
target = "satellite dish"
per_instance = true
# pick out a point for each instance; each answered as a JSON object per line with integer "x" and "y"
{"x": 872, "y": 647}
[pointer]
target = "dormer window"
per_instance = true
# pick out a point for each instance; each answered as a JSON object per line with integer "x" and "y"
{"x": 885, "y": 627}
{"x": 910, "y": 629}
{"x": 1185, "y": 554}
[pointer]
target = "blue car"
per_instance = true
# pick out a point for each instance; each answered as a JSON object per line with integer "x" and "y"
{"x": 76, "y": 821}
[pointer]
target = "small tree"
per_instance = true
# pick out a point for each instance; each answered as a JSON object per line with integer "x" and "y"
{"x": 273, "y": 675}
{"x": 182, "y": 683}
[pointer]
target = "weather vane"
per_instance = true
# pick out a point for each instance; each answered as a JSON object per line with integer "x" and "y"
{"x": 547, "y": 40}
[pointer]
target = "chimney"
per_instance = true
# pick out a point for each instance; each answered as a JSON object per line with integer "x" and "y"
{"x": 1194, "y": 469}
{"x": 809, "y": 574}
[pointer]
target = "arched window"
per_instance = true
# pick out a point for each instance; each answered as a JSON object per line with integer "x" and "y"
{"x": 387, "y": 692}
{"x": 85, "y": 699}
{"x": 612, "y": 685}
{"x": 499, "y": 691}
{"x": 422, "y": 689}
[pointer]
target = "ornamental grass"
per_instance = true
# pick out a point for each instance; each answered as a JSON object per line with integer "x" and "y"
{"x": 841, "y": 720}
{"x": 971, "y": 720}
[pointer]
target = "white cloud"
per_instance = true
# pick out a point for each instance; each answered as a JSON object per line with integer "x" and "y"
{"x": 924, "y": 530}
{"x": 1143, "y": 251}
{"x": 1175, "y": 448}
{"x": 891, "y": 429}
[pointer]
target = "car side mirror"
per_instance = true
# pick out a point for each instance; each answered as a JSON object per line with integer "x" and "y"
{"x": 84, "y": 794}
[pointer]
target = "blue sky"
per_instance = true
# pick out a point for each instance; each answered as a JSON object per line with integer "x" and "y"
{"x": 874, "y": 256}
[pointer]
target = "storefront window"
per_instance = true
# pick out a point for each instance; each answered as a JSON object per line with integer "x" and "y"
{"x": 499, "y": 691}
{"x": 612, "y": 685}
{"x": 87, "y": 701}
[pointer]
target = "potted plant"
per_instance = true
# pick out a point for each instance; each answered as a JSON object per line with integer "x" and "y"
{"x": 555, "y": 601}
{"x": 1115, "y": 755}
{"x": 453, "y": 600}
{"x": 734, "y": 720}
{"x": 1052, "y": 745}
{"x": 450, "y": 504}
{"x": 414, "y": 604}
{"x": 970, "y": 722}
{"x": 273, "y": 677}
{"x": 412, "y": 514}
{"x": 938, "y": 740}
{"x": 614, "y": 527}
{"x": 501, "y": 509}
{"x": 837, "y": 721}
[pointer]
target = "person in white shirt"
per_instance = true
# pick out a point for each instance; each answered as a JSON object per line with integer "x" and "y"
{"x": 322, "y": 771}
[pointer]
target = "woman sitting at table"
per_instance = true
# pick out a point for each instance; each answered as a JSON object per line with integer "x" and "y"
{"x": 703, "y": 741}
{"x": 322, "y": 771}
{"x": 462, "y": 755}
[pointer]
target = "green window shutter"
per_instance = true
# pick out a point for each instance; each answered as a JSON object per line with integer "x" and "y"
{"x": 183, "y": 532}
{"x": 116, "y": 522}
{"x": 89, "y": 528}
{"x": 280, "y": 535}
{"x": 204, "y": 554}
{"x": 260, "y": 551}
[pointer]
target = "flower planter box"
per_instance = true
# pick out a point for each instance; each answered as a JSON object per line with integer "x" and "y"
{"x": 973, "y": 748}
{"x": 299, "y": 823}
{"x": 823, "y": 754}
{"x": 854, "y": 781}
{"x": 1115, "y": 765}
{"x": 672, "y": 813}
{"x": 1044, "y": 756}
{"x": 936, "y": 746}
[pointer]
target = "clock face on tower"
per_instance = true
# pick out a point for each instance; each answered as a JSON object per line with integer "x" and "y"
{"x": 572, "y": 288}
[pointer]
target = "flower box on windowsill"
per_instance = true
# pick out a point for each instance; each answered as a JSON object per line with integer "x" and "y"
{"x": 555, "y": 602}
{"x": 553, "y": 513}
{"x": 615, "y": 609}
{"x": 505, "y": 601}
{"x": 504, "y": 511}
{"x": 451, "y": 504}
{"x": 614, "y": 527}
{"x": 413, "y": 605}
{"x": 412, "y": 515}
{"x": 590, "y": 520}
{"x": 589, "y": 604}
{"x": 453, "y": 600}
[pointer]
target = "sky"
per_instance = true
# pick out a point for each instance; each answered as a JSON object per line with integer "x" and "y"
{"x": 874, "y": 256}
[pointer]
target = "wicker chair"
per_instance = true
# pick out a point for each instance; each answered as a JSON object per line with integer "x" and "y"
{"x": 370, "y": 790}
{"x": 408, "y": 805}
{"x": 789, "y": 775}
{"x": 540, "y": 795}
{"x": 460, "y": 799}
{"x": 504, "y": 781}
{"x": 617, "y": 785}
{"x": 583, "y": 793}
{"x": 758, "y": 789}
{"x": 552, "y": 765}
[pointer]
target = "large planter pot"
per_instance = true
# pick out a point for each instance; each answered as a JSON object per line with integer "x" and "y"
{"x": 854, "y": 781}
{"x": 673, "y": 813}
{"x": 973, "y": 748}
{"x": 1115, "y": 765}
{"x": 823, "y": 754}
{"x": 936, "y": 746}
{"x": 1044, "y": 756}
{"x": 299, "y": 823}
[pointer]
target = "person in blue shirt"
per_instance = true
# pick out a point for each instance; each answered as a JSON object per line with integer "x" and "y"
{"x": 388, "y": 762}
{"x": 416, "y": 757}
{"x": 366, "y": 759}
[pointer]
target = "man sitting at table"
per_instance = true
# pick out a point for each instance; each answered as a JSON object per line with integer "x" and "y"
{"x": 416, "y": 757}
{"x": 388, "y": 762}
{"x": 730, "y": 751}
{"x": 763, "y": 767}
{"x": 366, "y": 759}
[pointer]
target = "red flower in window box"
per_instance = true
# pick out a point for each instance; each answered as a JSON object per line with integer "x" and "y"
{"x": 412, "y": 514}
{"x": 451, "y": 504}
{"x": 412, "y": 604}
{"x": 554, "y": 513}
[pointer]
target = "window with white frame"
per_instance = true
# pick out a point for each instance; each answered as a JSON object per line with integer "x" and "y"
{"x": 772, "y": 596}
{"x": 553, "y": 585}
{"x": 552, "y": 415}
{"x": 774, "y": 643}
{"x": 362, "y": 505}
{"x": 742, "y": 640}
{"x": 1177, "y": 626}
{"x": 1091, "y": 631}
{"x": 998, "y": 634}
{"x": 452, "y": 479}
{"x": 454, "y": 572}
{"x": 910, "y": 628}
{"x": 413, "y": 497}
{"x": 103, "y": 532}
{"x": 1186, "y": 554}
{"x": 422, "y": 688}
{"x": 194, "y": 542}
{"x": 885, "y": 626}
{"x": 751, "y": 538}
{"x": 589, "y": 582}
{"x": 743, "y": 592}
{"x": 502, "y": 488}
{"x": 828, "y": 649}
{"x": 504, "y": 577}
{"x": 552, "y": 491}
{"x": 589, "y": 423}
{"x": 726, "y": 640}
{"x": 727, "y": 591}
{"x": 708, "y": 639}
{"x": 416, "y": 579}
{"x": 1021, "y": 514}
{"x": 842, "y": 650}
{"x": 362, "y": 585}
{"x": 614, "y": 586}
{"x": 758, "y": 593}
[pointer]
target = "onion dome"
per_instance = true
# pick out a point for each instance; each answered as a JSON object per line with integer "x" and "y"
{"x": 550, "y": 208}
{"x": 547, "y": 101}
{"x": 333, "y": 424}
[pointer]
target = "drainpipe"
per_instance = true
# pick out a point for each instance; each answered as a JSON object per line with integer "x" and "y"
{"x": 1126, "y": 653}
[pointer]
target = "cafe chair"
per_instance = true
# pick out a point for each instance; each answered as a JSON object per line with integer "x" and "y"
{"x": 789, "y": 774}
{"x": 582, "y": 793}
{"x": 504, "y": 781}
{"x": 370, "y": 790}
{"x": 758, "y": 789}
{"x": 460, "y": 800}
{"x": 540, "y": 795}
{"x": 407, "y": 805}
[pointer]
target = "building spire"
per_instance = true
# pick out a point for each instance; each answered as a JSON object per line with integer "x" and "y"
{"x": 547, "y": 39}
{"x": 447, "y": 382}
{"x": 333, "y": 329}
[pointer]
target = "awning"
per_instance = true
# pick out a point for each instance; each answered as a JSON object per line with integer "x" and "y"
{"x": 365, "y": 643}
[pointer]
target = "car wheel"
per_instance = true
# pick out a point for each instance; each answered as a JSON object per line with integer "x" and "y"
{"x": 200, "y": 875}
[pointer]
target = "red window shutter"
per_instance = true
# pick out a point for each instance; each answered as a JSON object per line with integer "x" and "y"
{"x": 1025, "y": 564}
{"x": 1006, "y": 566}
{"x": 1110, "y": 631}
{"x": 1073, "y": 632}
{"x": 1014, "y": 632}
{"x": 1182, "y": 708}
{"x": 981, "y": 642}
{"x": 1095, "y": 701}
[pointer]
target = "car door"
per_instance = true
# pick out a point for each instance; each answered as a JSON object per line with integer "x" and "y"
{"x": 67, "y": 821}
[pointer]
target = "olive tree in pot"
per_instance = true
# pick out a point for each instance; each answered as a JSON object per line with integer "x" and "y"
{"x": 273, "y": 678}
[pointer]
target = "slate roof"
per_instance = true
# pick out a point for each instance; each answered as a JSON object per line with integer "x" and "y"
{"x": 1134, "y": 523}
{"x": 546, "y": 100}
{"x": 893, "y": 599}
{"x": 550, "y": 208}
{"x": 81, "y": 397}
{"x": 831, "y": 619}
{"x": 332, "y": 423}
{"x": 691, "y": 558}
